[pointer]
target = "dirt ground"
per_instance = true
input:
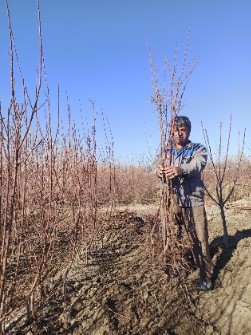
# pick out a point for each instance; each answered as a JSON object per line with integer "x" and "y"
{"x": 123, "y": 290}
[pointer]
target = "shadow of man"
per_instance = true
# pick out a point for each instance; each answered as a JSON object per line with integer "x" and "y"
{"x": 224, "y": 255}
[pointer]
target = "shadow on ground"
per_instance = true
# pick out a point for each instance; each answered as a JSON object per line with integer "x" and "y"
{"x": 224, "y": 255}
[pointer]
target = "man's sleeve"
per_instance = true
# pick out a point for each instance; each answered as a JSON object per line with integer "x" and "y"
{"x": 197, "y": 163}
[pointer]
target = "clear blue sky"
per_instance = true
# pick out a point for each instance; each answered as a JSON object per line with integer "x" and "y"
{"x": 98, "y": 49}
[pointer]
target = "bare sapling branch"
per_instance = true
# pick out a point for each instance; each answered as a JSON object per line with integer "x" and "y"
{"x": 169, "y": 102}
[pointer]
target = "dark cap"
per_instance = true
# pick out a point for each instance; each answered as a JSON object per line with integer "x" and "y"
{"x": 182, "y": 121}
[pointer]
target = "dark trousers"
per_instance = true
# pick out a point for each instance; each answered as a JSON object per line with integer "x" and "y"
{"x": 193, "y": 220}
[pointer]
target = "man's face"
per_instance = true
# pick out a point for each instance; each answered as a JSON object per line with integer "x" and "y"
{"x": 181, "y": 135}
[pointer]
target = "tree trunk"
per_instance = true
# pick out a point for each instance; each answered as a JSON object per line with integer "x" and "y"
{"x": 224, "y": 222}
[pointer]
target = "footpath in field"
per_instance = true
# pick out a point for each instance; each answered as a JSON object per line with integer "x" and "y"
{"x": 124, "y": 291}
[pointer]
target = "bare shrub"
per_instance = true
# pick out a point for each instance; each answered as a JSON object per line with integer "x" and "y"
{"x": 136, "y": 184}
{"x": 49, "y": 191}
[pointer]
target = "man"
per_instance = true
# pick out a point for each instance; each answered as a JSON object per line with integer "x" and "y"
{"x": 187, "y": 162}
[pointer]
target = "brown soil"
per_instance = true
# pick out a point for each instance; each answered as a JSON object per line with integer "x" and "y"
{"x": 123, "y": 290}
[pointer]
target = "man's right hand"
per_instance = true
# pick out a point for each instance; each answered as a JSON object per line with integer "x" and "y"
{"x": 168, "y": 172}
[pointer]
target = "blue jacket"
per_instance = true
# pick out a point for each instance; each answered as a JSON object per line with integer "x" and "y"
{"x": 188, "y": 187}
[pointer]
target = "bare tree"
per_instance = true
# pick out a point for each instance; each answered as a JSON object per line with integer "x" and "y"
{"x": 220, "y": 166}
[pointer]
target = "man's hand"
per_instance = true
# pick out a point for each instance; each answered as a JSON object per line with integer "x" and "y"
{"x": 168, "y": 172}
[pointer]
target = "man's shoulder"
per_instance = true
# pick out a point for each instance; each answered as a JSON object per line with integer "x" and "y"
{"x": 196, "y": 146}
{"x": 195, "y": 149}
